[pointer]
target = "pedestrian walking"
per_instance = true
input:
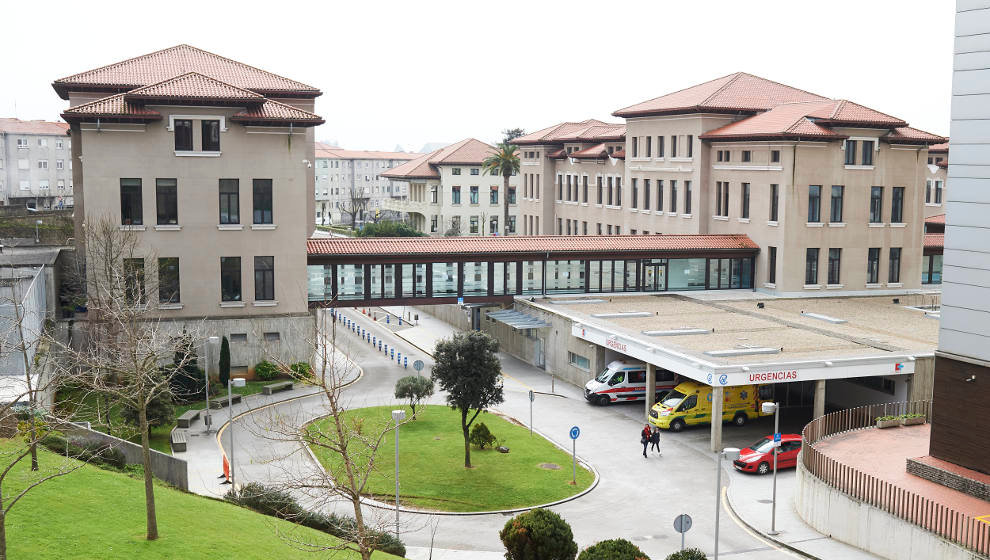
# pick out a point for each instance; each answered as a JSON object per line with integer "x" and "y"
{"x": 645, "y": 438}
{"x": 655, "y": 440}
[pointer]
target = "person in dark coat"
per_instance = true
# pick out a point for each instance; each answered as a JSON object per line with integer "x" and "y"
{"x": 655, "y": 440}
{"x": 645, "y": 438}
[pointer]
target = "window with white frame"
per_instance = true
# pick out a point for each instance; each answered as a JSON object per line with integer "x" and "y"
{"x": 59, "y": 144}
{"x": 22, "y": 143}
{"x": 43, "y": 142}
{"x": 43, "y": 184}
{"x": 59, "y": 164}
{"x": 42, "y": 164}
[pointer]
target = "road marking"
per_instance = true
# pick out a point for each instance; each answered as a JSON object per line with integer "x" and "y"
{"x": 984, "y": 518}
{"x": 755, "y": 534}
{"x": 507, "y": 376}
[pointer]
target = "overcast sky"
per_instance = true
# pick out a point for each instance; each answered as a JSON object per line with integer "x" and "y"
{"x": 409, "y": 72}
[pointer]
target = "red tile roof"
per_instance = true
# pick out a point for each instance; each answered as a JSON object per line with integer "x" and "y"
{"x": 598, "y": 151}
{"x": 590, "y": 130}
{"x": 114, "y": 107}
{"x": 191, "y": 87}
{"x": 732, "y": 93}
{"x": 943, "y": 164}
{"x": 466, "y": 152}
{"x": 273, "y": 112}
{"x": 787, "y": 121}
{"x": 557, "y": 154}
{"x": 17, "y": 126}
{"x": 609, "y": 244}
{"x": 171, "y": 62}
{"x": 619, "y": 154}
{"x": 942, "y": 148}
{"x": 842, "y": 112}
{"x": 934, "y": 240}
{"x": 333, "y": 152}
{"x": 936, "y": 219}
{"x": 908, "y": 135}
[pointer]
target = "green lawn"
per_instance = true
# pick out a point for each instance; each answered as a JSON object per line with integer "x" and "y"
{"x": 85, "y": 411}
{"x": 94, "y": 513}
{"x": 431, "y": 463}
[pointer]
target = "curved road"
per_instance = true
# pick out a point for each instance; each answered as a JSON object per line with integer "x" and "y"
{"x": 636, "y": 499}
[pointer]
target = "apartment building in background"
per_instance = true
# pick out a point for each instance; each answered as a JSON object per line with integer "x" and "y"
{"x": 207, "y": 161}
{"x": 350, "y": 186}
{"x": 35, "y": 167}
{"x": 450, "y": 194}
{"x": 832, "y": 191}
{"x": 935, "y": 179}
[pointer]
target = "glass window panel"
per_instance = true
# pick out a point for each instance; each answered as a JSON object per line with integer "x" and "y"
{"x": 735, "y": 276}
{"x": 565, "y": 277}
{"x": 350, "y": 281}
{"x": 511, "y": 281}
{"x": 936, "y": 269}
{"x": 389, "y": 273}
{"x": 746, "y": 276}
{"x": 498, "y": 278}
{"x": 629, "y": 278}
{"x": 532, "y": 277}
{"x": 376, "y": 281}
{"x": 444, "y": 279}
{"x": 686, "y": 274}
{"x": 407, "y": 280}
{"x": 476, "y": 278}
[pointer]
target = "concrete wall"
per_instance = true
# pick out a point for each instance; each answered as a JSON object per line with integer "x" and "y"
{"x": 833, "y": 513}
{"x": 167, "y": 468}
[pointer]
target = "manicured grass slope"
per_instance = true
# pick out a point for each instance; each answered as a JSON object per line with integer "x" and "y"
{"x": 431, "y": 463}
{"x": 93, "y": 513}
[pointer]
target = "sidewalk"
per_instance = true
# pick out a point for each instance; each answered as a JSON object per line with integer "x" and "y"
{"x": 749, "y": 498}
{"x": 425, "y": 333}
{"x": 423, "y": 553}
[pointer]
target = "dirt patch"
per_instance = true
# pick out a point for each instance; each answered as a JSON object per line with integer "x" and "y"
{"x": 550, "y": 466}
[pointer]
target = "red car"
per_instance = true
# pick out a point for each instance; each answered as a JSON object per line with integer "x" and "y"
{"x": 758, "y": 457}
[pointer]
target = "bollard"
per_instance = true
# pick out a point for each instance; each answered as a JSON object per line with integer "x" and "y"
{"x": 405, "y": 362}
{"x": 387, "y": 319}
{"x": 374, "y": 340}
{"x": 400, "y": 321}
{"x": 379, "y": 345}
{"x": 386, "y": 349}
{"x": 393, "y": 353}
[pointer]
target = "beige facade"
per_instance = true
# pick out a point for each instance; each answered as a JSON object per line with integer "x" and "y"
{"x": 935, "y": 180}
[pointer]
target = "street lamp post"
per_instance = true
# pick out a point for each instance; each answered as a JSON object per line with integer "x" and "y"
{"x": 210, "y": 344}
{"x": 37, "y": 237}
{"x": 731, "y": 453}
{"x": 398, "y": 416}
{"x": 231, "y": 383}
{"x": 769, "y": 407}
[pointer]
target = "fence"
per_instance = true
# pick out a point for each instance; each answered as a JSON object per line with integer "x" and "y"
{"x": 942, "y": 520}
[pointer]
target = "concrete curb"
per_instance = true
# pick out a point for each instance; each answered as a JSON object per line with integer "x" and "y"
{"x": 756, "y": 532}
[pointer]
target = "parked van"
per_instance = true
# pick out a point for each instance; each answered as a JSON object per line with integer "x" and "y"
{"x": 625, "y": 381}
{"x": 690, "y": 403}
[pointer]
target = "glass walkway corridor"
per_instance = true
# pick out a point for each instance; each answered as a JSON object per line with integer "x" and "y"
{"x": 352, "y": 272}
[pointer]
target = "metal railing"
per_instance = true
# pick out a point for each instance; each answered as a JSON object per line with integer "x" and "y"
{"x": 955, "y": 526}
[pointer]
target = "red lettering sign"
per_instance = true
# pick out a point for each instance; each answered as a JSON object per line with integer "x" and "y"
{"x": 615, "y": 344}
{"x": 773, "y": 376}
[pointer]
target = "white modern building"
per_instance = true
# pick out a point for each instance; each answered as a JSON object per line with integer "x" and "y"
{"x": 349, "y": 183}
{"x": 35, "y": 164}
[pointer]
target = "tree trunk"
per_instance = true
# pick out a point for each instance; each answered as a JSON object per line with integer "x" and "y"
{"x": 3, "y": 531}
{"x": 149, "y": 484}
{"x": 34, "y": 444}
{"x": 505, "y": 205}
{"x": 467, "y": 440}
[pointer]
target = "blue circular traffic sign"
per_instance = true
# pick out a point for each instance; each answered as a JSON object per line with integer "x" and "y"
{"x": 575, "y": 432}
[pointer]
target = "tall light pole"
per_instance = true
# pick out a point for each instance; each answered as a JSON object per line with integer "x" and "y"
{"x": 398, "y": 416}
{"x": 731, "y": 453}
{"x": 37, "y": 237}
{"x": 210, "y": 344}
{"x": 769, "y": 407}
{"x": 231, "y": 383}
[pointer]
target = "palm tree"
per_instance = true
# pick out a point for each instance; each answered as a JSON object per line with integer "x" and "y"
{"x": 503, "y": 161}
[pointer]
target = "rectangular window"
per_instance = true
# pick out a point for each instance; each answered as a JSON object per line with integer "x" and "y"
{"x": 493, "y": 195}
{"x": 897, "y": 205}
{"x": 618, "y": 191}
{"x": 512, "y": 195}
{"x": 167, "y": 201}
{"x": 687, "y": 197}
{"x": 811, "y": 267}
{"x": 230, "y": 201}
{"x": 938, "y": 192}
{"x": 264, "y": 278}
{"x": 211, "y": 136}
{"x": 131, "y": 209}
{"x": 134, "y": 281}
{"x": 744, "y": 210}
{"x": 635, "y": 193}
{"x": 673, "y": 146}
{"x": 660, "y": 140}
{"x": 42, "y": 164}
{"x": 434, "y": 195}
{"x": 584, "y": 189}
{"x": 230, "y": 278}
{"x": 835, "y": 216}
{"x": 493, "y": 225}
{"x": 560, "y": 188}
{"x": 928, "y": 191}
{"x": 434, "y": 223}
{"x": 850, "y": 152}
{"x": 876, "y": 205}
{"x": 719, "y": 155}
{"x": 690, "y": 146}
{"x": 774, "y": 197}
{"x": 867, "y": 152}
{"x": 725, "y": 199}
{"x": 168, "y": 280}
{"x": 183, "y": 135}
{"x": 834, "y": 262}
{"x": 600, "y": 190}
{"x": 474, "y": 171}
{"x": 262, "y": 201}
{"x": 59, "y": 164}
{"x": 673, "y": 196}
{"x": 746, "y": 155}
{"x": 774, "y": 156}
{"x": 814, "y": 203}
{"x": 772, "y": 265}
{"x": 455, "y": 171}
{"x": 609, "y": 192}
{"x": 455, "y": 195}
{"x": 660, "y": 195}
{"x": 646, "y": 194}
{"x": 728, "y": 155}
{"x": 873, "y": 266}
{"x": 718, "y": 198}
{"x": 473, "y": 193}
{"x": 635, "y": 146}
{"x": 894, "y": 274}
{"x": 512, "y": 224}
{"x": 473, "y": 224}
{"x": 649, "y": 146}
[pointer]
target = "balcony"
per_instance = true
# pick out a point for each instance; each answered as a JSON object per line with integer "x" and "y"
{"x": 409, "y": 206}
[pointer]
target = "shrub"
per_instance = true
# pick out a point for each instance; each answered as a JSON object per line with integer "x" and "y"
{"x": 279, "y": 503}
{"x": 687, "y": 554}
{"x": 538, "y": 534}
{"x": 224, "y": 361}
{"x": 100, "y": 454}
{"x": 266, "y": 371}
{"x": 481, "y": 436}
{"x": 301, "y": 370}
{"x": 613, "y": 549}
{"x": 884, "y": 418}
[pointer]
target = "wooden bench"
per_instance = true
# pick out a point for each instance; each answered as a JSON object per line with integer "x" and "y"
{"x": 221, "y": 402}
{"x": 187, "y": 418}
{"x": 178, "y": 440}
{"x": 275, "y": 387}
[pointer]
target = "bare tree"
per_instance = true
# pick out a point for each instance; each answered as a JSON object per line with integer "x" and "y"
{"x": 351, "y": 442}
{"x": 25, "y": 416}
{"x": 355, "y": 204}
{"x": 129, "y": 355}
